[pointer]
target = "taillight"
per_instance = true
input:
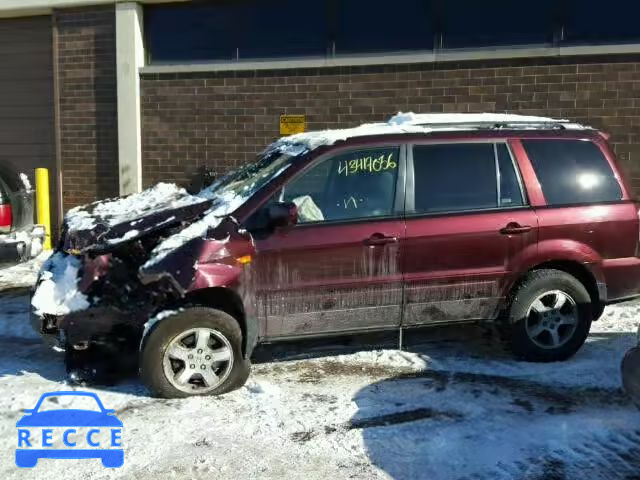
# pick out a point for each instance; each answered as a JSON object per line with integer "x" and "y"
{"x": 6, "y": 218}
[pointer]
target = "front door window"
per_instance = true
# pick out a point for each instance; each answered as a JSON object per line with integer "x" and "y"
{"x": 355, "y": 185}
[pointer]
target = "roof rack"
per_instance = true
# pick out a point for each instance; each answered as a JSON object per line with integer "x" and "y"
{"x": 503, "y": 125}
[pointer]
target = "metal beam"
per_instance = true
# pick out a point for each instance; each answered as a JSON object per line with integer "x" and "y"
{"x": 129, "y": 59}
{"x": 24, "y": 8}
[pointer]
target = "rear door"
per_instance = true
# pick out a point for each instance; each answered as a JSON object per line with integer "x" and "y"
{"x": 467, "y": 222}
{"x": 338, "y": 269}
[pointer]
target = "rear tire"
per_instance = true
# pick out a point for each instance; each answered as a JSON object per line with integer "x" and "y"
{"x": 209, "y": 340}
{"x": 549, "y": 316}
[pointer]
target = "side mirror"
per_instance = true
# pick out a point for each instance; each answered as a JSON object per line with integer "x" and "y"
{"x": 284, "y": 214}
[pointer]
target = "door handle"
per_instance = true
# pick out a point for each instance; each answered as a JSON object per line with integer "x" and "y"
{"x": 379, "y": 239}
{"x": 514, "y": 228}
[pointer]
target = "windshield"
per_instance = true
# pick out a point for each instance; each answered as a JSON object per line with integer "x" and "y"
{"x": 246, "y": 181}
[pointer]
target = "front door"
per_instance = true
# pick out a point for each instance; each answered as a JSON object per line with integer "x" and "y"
{"x": 338, "y": 269}
{"x": 467, "y": 221}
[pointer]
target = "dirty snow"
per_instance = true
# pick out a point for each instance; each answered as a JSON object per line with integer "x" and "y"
{"x": 453, "y": 405}
{"x": 57, "y": 293}
{"x": 23, "y": 274}
{"x": 403, "y": 123}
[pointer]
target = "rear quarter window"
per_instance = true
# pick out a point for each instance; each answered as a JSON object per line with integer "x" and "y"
{"x": 572, "y": 172}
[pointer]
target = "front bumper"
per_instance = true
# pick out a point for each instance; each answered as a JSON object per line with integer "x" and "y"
{"x": 78, "y": 329}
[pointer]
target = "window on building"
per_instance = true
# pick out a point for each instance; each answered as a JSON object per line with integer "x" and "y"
{"x": 369, "y": 26}
{"x": 236, "y": 30}
{"x": 472, "y": 23}
{"x": 454, "y": 177}
{"x": 595, "y": 22}
{"x": 232, "y": 30}
{"x": 572, "y": 172}
{"x": 354, "y": 185}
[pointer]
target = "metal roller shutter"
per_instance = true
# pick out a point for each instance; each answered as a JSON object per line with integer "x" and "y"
{"x": 27, "y": 138}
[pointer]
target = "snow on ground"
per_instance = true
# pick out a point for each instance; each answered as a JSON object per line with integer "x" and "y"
{"x": 23, "y": 274}
{"x": 453, "y": 405}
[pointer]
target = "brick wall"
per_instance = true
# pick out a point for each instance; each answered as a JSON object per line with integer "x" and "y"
{"x": 223, "y": 119}
{"x": 85, "y": 46}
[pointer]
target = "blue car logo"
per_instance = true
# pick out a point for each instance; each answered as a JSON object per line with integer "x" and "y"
{"x": 42, "y": 429}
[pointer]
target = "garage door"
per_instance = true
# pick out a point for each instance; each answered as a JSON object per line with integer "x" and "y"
{"x": 26, "y": 96}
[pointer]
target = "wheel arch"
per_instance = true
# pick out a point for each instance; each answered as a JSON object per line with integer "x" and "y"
{"x": 228, "y": 301}
{"x": 576, "y": 269}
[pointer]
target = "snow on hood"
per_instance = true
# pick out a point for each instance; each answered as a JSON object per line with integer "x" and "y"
{"x": 405, "y": 123}
{"x": 211, "y": 219}
{"x": 222, "y": 205}
{"x": 57, "y": 293}
{"x": 163, "y": 196}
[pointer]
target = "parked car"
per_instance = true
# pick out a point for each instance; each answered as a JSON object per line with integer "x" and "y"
{"x": 631, "y": 372}
{"x": 423, "y": 220}
{"x": 20, "y": 239}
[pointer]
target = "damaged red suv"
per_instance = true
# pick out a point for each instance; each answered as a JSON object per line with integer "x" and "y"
{"x": 423, "y": 220}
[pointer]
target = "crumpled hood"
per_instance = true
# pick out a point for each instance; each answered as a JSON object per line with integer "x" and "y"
{"x": 101, "y": 226}
{"x": 199, "y": 223}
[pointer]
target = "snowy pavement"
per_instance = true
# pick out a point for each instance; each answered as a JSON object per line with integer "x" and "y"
{"x": 453, "y": 405}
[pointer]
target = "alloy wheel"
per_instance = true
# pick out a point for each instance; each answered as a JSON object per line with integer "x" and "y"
{"x": 198, "y": 360}
{"x": 552, "y": 319}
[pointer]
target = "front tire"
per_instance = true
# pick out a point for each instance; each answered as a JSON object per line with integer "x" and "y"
{"x": 196, "y": 351}
{"x": 549, "y": 316}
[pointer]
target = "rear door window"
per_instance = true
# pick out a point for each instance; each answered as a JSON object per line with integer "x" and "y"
{"x": 454, "y": 177}
{"x": 572, "y": 172}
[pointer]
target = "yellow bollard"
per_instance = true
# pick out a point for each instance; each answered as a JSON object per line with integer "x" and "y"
{"x": 42, "y": 204}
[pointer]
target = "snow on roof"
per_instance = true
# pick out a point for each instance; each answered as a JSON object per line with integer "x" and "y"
{"x": 412, "y": 123}
{"x": 436, "y": 119}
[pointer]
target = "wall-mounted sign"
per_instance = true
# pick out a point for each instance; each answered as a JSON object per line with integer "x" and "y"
{"x": 290, "y": 124}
